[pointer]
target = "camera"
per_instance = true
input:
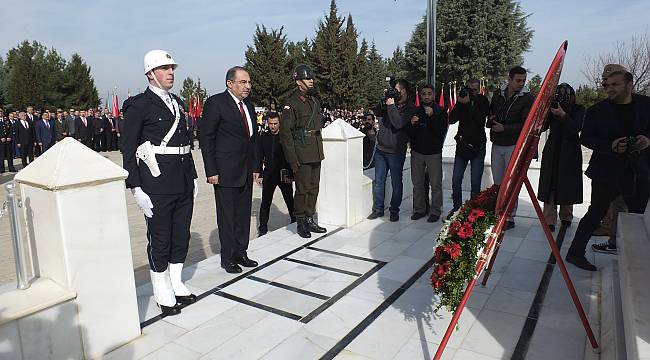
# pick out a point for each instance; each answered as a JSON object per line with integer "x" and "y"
{"x": 560, "y": 98}
{"x": 392, "y": 91}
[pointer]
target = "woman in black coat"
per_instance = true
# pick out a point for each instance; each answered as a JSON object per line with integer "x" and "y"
{"x": 560, "y": 181}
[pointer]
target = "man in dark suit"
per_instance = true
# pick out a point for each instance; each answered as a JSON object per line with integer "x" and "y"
{"x": 110, "y": 132}
{"x": 25, "y": 135}
{"x": 166, "y": 198}
{"x": 45, "y": 132}
{"x": 84, "y": 130}
{"x": 98, "y": 130}
{"x": 71, "y": 119}
{"x": 61, "y": 127}
{"x": 228, "y": 136}
{"x": 276, "y": 173}
{"x": 617, "y": 129}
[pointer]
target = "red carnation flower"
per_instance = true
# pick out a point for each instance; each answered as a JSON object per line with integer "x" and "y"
{"x": 453, "y": 250}
{"x": 439, "y": 270}
{"x": 454, "y": 227}
{"x": 438, "y": 254}
{"x": 476, "y": 214}
{"x": 466, "y": 231}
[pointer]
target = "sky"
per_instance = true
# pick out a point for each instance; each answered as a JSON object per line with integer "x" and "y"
{"x": 208, "y": 37}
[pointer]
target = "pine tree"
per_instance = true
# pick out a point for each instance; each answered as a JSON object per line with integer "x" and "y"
{"x": 79, "y": 84}
{"x": 188, "y": 91}
{"x": 53, "y": 90}
{"x": 395, "y": 65}
{"x": 299, "y": 53}
{"x": 374, "y": 83}
{"x": 26, "y": 71}
{"x": 268, "y": 63}
{"x": 327, "y": 58}
{"x": 3, "y": 83}
{"x": 535, "y": 83}
{"x": 475, "y": 38}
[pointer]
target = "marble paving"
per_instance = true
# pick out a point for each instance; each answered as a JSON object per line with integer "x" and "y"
{"x": 363, "y": 293}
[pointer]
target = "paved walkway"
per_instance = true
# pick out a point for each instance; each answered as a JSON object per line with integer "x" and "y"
{"x": 364, "y": 293}
{"x": 203, "y": 243}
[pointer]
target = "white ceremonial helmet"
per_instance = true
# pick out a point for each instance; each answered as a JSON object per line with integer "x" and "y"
{"x": 155, "y": 58}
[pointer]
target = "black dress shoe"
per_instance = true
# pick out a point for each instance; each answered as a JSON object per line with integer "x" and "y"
{"x": 509, "y": 225}
{"x": 394, "y": 217}
{"x": 231, "y": 267}
{"x": 185, "y": 300}
{"x": 169, "y": 310}
{"x": 552, "y": 228}
{"x": 303, "y": 228}
{"x": 374, "y": 215}
{"x": 313, "y": 227}
{"x": 566, "y": 223}
{"x": 433, "y": 218}
{"x": 293, "y": 220}
{"x": 245, "y": 261}
{"x": 262, "y": 231}
{"x": 451, "y": 213}
{"x": 580, "y": 261}
{"x": 417, "y": 216}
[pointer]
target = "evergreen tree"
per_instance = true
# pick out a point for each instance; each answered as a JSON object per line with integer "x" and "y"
{"x": 353, "y": 64}
{"x": 79, "y": 84}
{"x": 474, "y": 38}
{"x": 299, "y": 53}
{"x": 268, "y": 64}
{"x": 54, "y": 95}
{"x": 588, "y": 96}
{"x": 374, "y": 83}
{"x": 26, "y": 71}
{"x": 395, "y": 66}
{"x": 3, "y": 83}
{"x": 188, "y": 91}
{"x": 327, "y": 58}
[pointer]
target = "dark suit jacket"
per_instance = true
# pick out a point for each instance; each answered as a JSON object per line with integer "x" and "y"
{"x": 601, "y": 128}
{"x": 83, "y": 133}
{"x": 44, "y": 134}
{"x": 61, "y": 127}
{"x": 25, "y": 136}
{"x": 227, "y": 149}
{"x": 147, "y": 118}
{"x": 270, "y": 155}
{"x": 98, "y": 125}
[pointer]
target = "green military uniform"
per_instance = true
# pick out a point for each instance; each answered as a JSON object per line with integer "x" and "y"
{"x": 303, "y": 145}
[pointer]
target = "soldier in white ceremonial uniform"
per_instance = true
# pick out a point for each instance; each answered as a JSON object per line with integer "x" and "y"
{"x": 162, "y": 177}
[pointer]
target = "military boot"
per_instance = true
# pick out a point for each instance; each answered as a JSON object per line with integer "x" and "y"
{"x": 303, "y": 228}
{"x": 313, "y": 227}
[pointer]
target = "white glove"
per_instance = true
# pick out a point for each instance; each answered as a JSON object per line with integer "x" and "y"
{"x": 196, "y": 188}
{"x": 143, "y": 201}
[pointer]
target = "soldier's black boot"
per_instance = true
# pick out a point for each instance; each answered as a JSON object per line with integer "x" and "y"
{"x": 313, "y": 227}
{"x": 303, "y": 228}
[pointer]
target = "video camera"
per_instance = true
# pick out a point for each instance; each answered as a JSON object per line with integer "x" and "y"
{"x": 392, "y": 92}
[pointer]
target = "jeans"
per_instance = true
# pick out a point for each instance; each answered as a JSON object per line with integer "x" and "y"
{"x": 383, "y": 163}
{"x": 476, "y": 171}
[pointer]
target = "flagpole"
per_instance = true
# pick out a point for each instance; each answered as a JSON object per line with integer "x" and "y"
{"x": 431, "y": 42}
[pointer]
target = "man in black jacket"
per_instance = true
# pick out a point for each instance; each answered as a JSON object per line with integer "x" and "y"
{"x": 98, "y": 130}
{"x": 618, "y": 131}
{"x": 84, "y": 129}
{"x": 470, "y": 112}
{"x": 274, "y": 171}
{"x": 508, "y": 112}
{"x": 25, "y": 138}
{"x": 427, "y": 133}
{"x": 390, "y": 154}
{"x": 228, "y": 136}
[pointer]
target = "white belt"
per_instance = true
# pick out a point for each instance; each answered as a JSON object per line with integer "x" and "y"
{"x": 171, "y": 150}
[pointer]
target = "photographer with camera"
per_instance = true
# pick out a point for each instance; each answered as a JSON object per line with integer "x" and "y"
{"x": 395, "y": 111}
{"x": 427, "y": 134}
{"x": 617, "y": 129}
{"x": 508, "y": 112}
{"x": 560, "y": 181}
{"x": 470, "y": 113}
{"x": 368, "y": 128}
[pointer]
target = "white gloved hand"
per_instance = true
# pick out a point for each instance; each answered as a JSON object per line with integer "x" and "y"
{"x": 196, "y": 188}
{"x": 143, "y": 201}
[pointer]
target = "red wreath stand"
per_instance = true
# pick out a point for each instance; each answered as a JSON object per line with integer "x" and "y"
{"x": 514, "y": 178}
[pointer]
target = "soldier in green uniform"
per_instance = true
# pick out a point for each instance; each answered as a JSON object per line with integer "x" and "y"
{"x": 303, "y": 147}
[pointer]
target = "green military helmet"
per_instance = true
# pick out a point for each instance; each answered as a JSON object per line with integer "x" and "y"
{"x": 302, "y": 72}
